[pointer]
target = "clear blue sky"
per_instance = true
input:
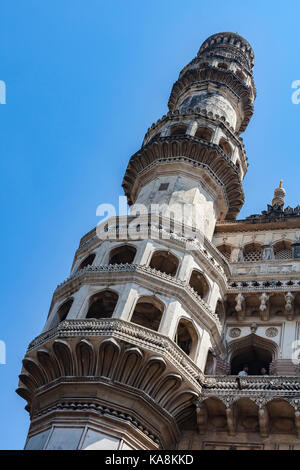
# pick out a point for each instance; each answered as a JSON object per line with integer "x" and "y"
{"x": 85, "y": 79}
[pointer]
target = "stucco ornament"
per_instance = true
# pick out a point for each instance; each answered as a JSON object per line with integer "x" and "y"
{"x": 271, "y": 332}
{"x": 235, "y": 332}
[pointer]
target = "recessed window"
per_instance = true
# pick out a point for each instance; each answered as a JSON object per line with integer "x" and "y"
{"x": 163, "y": 187}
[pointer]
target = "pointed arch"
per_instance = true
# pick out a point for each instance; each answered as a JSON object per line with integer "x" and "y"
{"x": 88, "y": 261}
{"x": 199, "y": 283}
{"x": 122, "y": 254}
{"x": 186, "y": 337}
{"x": 165, "y": 262}
{"x": 102, "y": 304}
{"x": 148, "y": 312}
{"x": 253, "y": 350}
{"x": 252, "y": 252}
{"x": 225, "y": 146}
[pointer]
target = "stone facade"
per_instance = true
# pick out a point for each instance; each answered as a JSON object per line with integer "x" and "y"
{"x": 144, "y": 340}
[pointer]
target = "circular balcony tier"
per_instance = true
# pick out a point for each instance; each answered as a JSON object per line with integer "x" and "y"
{"x": 221, "y": 77}
{"x": 192, "y": 150}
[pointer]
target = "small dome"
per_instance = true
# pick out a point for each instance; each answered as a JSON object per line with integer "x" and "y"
{"x": 279, "y": 194}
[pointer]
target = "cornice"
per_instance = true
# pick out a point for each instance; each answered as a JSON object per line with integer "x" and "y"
{"x": 199, "y": 152}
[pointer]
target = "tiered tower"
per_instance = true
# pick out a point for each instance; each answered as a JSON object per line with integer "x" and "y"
{"x": 121, "y": 360}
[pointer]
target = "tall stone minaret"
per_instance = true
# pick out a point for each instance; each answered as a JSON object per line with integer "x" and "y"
{"x": 131, "y": 333}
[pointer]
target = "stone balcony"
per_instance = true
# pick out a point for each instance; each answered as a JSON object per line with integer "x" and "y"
{"x": 111, "y": 370}
{"x": 253, "y": 404}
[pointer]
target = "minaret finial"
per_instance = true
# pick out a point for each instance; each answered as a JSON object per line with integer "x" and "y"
{"x": 279, "y": 194}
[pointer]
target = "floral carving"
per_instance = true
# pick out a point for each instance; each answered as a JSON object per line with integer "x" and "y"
{"x": 235, "y": 332}
{"x": 271, "y": 332}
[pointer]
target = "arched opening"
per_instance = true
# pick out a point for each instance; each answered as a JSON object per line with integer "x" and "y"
{"x": 222, "y": 65}
{"x": 220, "y": 311}
{"x": 253, "y": 351}
{"x": 178, "y": 130}
{"x": 102, "y": 304}
{"x": 225, "y": 250}
{"x": 165, "y": 262}
{"x": 88, "y": 261}
{"x": 204, "y": 133}
{"x": 123, "y": 254}
{"x": 283, "y": 250}
{"x": 61, "y": 313}
{"x": 240, "y": 75}
{"x": 156, "y": 136}
{"x": 148, "y": 313}
{"x": 199, "y": 283}
{"x": 186, "y": 337}
{"x": 63, "y": 310}
{"x": 225, "y": 146}
{"x": 252, "y": 252}
{"x": 210, "y": 364}
{"x": 203, "y": 65}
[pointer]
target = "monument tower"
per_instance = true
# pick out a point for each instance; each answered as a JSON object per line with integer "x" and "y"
{"x": 134, "y": 332}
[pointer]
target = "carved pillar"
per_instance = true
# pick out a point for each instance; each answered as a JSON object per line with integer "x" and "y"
{"x": 201, "y": 412}
{"x": 240, "y": 306}
{"x": 263, "y": 417}
{"x": 230, "y": 416}
{"x": 267, "y": 253}
{"x": 264, "y": 307}
{"x": 289, "y": 305}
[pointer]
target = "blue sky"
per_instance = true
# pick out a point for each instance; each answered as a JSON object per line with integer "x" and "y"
{"x": 85, "y": 79}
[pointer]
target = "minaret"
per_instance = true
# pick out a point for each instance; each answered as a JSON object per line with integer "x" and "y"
{"x": 130, "y": 334}
{"x": 193, "y": 155}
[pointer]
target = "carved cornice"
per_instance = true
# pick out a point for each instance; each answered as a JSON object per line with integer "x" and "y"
{"x": 256, "y": 286}
{"x": 199, "y": 151}
{"x": 223, "y": 77}
{"x": 260, "y": 390}
{"x": 94, "y": 407}
{"x": 125, "y": 331}
{"x": 110, "y": 359}
{"x": 202, "y": 115}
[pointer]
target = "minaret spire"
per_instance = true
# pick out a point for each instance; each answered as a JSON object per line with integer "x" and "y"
{"x": 279, "y": 194}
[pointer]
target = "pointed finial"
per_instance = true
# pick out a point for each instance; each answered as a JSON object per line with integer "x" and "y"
{"x": 279, "y": 194}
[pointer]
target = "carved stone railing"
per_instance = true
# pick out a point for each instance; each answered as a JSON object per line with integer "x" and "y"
{"x": 233, "y": 382}
{"x": 134, "y": 268}
{"x": 132, "y": 333}
{"x": 258, "y": 286}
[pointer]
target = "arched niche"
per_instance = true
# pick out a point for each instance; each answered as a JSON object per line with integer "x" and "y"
{"x": 102, "y": 304}
{"x": 220, "y": 311}
{"x": 186, "y": 337}
{"x": 210, "y": 364}
{"x": 283, "y": 249}
{"x": 62, "y": 312}
{"x": 225, "y": 146}
{"x": 179, "y": 129}
{"x": 123, "y": 254}
{"x": 88, "y": 261}
{"x": 165, "y": 262}
{"x": 204, "y": 133}
{"x": 199, "y": 283}
{"x": 253, "y": 350}
{"x": 225, "y": 250}
{"x": 252, "y": 252}
{"x": 148, "y": 312}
